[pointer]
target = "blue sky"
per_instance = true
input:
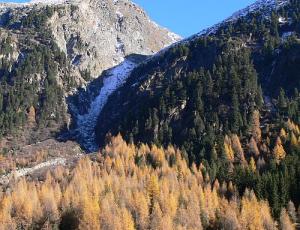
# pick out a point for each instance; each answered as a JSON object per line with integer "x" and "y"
{"x": 187, "y": 17}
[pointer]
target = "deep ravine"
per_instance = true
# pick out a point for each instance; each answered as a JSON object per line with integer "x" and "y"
{"x": 86, "y": 123}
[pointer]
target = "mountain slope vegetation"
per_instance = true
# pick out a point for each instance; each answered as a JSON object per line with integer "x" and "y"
{"x": 229, "y": 99}
{"x": 30, "y": 93}
{"x": 211, "y": 124}
{"x": 49, "y": 50}
{"x": 130, "y": 187}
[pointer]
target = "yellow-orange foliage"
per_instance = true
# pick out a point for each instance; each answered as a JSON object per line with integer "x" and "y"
{"x": 90, "y": 213}
{"x": 119, "y": 192}
{"x": 278, "y": 151}
{"x": 228, "y": 149}
{"x": 127, "y": 222}
{"x": 285, "y": 221}
{"x": 5, "y": 213}
{"x": 255, "y": 214}
{"x": 293, "y": 127}
{"x": 238, "y": 150}
{"x": 294, "y": 141}
{"x": 252, "y": 164}
{"x": 283, "y": 134}
{"x": 31, "y": 116}
{"x": 255, "y": 125}
{"x": 253, "y": 148}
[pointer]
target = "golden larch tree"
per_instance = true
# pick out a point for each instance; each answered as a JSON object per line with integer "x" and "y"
{"x": 252, "y": 164}
{"x": 253, "y": 148}
{"x": 90, "y": 213}
{"x": 285, "y": 221}
{"x": 127, "y": 221}
{"x": 278, "y": 151}
{"x": 153, "y": 190}
{"x": 237, "y": 148}
{"x": 229, "y": 153}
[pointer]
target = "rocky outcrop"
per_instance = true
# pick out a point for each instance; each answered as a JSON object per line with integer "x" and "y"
{"x": 97, "y": 34}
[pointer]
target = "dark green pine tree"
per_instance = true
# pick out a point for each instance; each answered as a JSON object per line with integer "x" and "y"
{"x": 209, "y": 84}
{"x": 274, "y": 198}
{"x": 259, "y": 100}
{"x": 236, "y": 116}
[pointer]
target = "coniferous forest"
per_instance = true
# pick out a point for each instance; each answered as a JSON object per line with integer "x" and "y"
{"x": 203, "y": 135}
{"x": 229, "y": 101}
{"x": 130, "y": 187}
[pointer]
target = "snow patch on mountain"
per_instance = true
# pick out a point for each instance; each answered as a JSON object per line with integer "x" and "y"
{"x": 86, "y": 123}
{"x": 174, "y": 37}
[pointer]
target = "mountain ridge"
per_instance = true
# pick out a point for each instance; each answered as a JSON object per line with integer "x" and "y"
{"x": 78, "y": 41}
{"x": 155, "y": 67}
{"x": 229, "y": 100}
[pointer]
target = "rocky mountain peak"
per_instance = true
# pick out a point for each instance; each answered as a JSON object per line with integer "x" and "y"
{"x": 98, "y": 34}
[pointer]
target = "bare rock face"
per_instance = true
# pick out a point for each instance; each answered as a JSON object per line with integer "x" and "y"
{"x": 98, "y": 34}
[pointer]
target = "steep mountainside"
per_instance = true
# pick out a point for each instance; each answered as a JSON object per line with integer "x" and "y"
{"x": 50, "y": 48}
{"x": 228, "y": 97}
{"x": 132, "y": 187}
{"x": 237, "y": 61}
{"x": 211, "y": 123}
